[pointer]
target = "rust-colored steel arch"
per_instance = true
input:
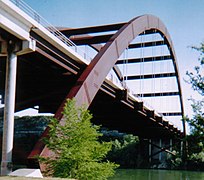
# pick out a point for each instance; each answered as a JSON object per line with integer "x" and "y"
{"x": 92, "y": 78}
{"x": 94, "y": 75}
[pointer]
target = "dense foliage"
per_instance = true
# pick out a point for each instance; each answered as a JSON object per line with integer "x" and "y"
{"x": 196, "y": 138}
{"x": 77, "y": 151}
{"x": 125, "y": 149}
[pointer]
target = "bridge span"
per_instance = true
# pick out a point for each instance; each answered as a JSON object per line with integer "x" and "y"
{"x": 126, "y": 73}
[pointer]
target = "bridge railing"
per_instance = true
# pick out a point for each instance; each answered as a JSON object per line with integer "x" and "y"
{"x": 34, "y": 15}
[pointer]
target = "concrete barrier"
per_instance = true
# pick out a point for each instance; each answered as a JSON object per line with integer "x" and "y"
{"x": 27, "y": 173}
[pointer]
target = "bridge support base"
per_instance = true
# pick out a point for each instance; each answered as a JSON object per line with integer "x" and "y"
{"x": 8, "y": 127}
{"x": 158, "y": 150}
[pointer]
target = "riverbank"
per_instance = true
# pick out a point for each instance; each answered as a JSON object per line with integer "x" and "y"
{"x": 141, "y": 174}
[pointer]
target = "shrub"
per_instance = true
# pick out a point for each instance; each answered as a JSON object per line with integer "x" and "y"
{"x": 77, "y": 153}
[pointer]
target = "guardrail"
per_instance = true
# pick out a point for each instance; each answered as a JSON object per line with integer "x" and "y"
{"x": 34, "y": 15}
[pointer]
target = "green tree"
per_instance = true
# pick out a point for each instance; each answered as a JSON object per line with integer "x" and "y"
{"x": 125, "y": 151}
{"x": 77, "y": 151}
{"x": 196, "y": 138}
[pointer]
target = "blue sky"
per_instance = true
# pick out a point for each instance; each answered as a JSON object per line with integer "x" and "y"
{"x": 183, "y": 19}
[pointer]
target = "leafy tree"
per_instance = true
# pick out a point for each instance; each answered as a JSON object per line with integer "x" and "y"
{"x": 196, "y": 79}
{"x": 77, "y": 153}
{"x": 125, "y": 151}
{"x": 196, "y": 139}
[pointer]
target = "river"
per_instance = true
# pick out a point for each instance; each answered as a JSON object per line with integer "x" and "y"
{"x": 144, "y": 174}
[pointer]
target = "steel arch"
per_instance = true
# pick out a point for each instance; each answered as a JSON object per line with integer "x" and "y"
{"x": 92, "y": 78}
{"x": 94, "y": 75}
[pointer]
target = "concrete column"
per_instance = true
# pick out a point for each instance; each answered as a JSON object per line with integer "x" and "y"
{"x": 9, "y": 109}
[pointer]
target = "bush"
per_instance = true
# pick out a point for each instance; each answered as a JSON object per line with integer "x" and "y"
{"x": 77, "y": 151}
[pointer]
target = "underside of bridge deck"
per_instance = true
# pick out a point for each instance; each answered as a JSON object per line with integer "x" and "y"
{"x": 39, "y": 83}
{"x": 44, "y": 78}
{"x": 43, "y": 83}
{"x": 116, "y": 114}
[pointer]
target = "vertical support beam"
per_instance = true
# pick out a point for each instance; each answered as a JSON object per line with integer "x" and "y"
{"x": 150, "y": 151}
{"x": 171, "y": 145}
{"x": 8, "y": 127}
{"x": 160, "y": 145}
{"x": 182, "y": 152}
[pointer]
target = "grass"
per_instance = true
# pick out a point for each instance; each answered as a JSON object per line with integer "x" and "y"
{"x": 29, "y": 178}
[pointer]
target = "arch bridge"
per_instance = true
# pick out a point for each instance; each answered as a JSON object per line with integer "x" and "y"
{"x": 126, "y": 73}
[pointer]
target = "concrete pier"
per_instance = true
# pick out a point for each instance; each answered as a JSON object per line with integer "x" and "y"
{"x": 10, "y": 92}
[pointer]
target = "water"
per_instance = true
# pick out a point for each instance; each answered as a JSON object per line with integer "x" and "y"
{"x": 144, "y": 174}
